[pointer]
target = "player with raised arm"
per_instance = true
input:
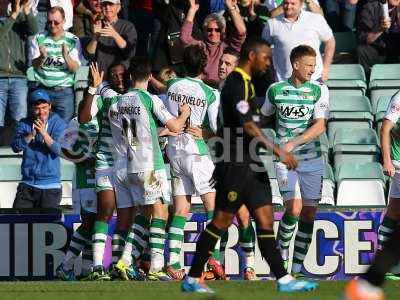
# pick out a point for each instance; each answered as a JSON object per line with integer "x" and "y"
{"x": 191, "y": 164}
{"x": 100, "y": 107}
{"x": 145, "y": 183}
{"x": 238, "y": 182}
{"x": 301, "y": 107}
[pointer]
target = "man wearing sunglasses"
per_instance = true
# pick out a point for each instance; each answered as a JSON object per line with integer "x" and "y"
{"x": 113, "y": 39}
{"x": 55, "y": 56}
{"x": 215, "y": 41}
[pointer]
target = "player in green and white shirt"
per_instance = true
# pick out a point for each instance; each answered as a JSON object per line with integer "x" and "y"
{"x": 390, "y": 145}
{"x": 146, "y": 182}
{"x": 301, "y": 108}
{"x": 190, "y": 162}
{"x": 79, "y": 146}
{"x": 106, "y": 155}
{"x": 55, "y": 56}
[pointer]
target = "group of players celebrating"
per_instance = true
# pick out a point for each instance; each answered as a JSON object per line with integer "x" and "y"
{"x": 115, "y": 143}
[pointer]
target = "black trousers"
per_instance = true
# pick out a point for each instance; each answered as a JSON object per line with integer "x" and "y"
{"x": 30, "y": 197}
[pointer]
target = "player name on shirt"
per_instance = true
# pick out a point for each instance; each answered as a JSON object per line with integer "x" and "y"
{"x": 129, "y": 110}
{"x": 181, "y": 98}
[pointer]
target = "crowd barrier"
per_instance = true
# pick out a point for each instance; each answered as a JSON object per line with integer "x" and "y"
{"x": 33, "y": 245}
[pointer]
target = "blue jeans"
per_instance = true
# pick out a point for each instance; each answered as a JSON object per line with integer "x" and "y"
{"x": 62, "y": 101}
{"x": 14, "y": 92}
{"x": 340, "y": 15}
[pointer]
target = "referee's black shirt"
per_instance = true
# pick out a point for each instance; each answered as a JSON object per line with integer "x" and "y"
{"x": 237, "y": 107}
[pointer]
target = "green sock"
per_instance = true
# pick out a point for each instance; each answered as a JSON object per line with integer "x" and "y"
{"x": 118, "y": 244}
{"x": 301, "y": 244}
{"x": 157, "y": 243}
{"x": 99, "y": 242}
{"x": 247, "y": 238}
{"x": 385, "y": 230}
{"x": 137, "y": 240}
{"x": 78, "y": 241}
{"x": 175, "y": 240}
{"x": 286, "y": 229}
{"x": 216, "y": 253}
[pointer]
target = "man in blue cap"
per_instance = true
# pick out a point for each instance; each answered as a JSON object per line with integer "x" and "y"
{"x": 38, "y": 136}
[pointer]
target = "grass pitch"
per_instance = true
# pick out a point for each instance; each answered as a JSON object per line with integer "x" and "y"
{"x": 226, "y": 290}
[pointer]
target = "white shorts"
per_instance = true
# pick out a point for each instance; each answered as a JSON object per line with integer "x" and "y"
{"x": 84, "y": 200}
{"x": 143, "y": 188}
{"x": 192, "y": 175}
{"x": 303, "y": 183}
{"x": 394, "y": 189}
{"x": 105, "y": 180}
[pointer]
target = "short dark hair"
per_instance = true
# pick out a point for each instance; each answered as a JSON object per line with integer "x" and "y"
{"x": 251, "y": 44}
{"x": 231, "y": 51}
{"x": 140, "y": 68}
{"x": 55, "y": 9}
{"x": 195, "y": 60}
{"x": 301, "y": 51}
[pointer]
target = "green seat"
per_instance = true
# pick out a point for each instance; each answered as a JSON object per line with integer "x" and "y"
{"x": 360, "y": 184}
{"x": 355, "y": 146}
{"x": 346, "y": 42}
{"x": 349, "y": 112}
{"x": 8, "y": 152}
{"x": 347, "y": 77}
{"x": 345, "y": 50}
{"x": 384, "y": 81}
{"x": 10, "y": 169}
{"x": 325, "y": 147}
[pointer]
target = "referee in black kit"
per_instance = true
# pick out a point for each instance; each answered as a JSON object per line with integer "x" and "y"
{"x": 237, "y": 183}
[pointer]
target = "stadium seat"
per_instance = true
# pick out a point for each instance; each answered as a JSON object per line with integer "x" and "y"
{"x": 381, "y": 108}
{"x": 328, "y": 187}
{"x": 360, "y": 185}
{"x": 66, "y": 198}
{"x": 10, "y": 176}
{"x": 355, "y": 146}
{"x": 346, "y": 79}
{"x": 8, "y": 152}
{"x": 325, "y": 147}
{"x": 346, "y": 44}
{"x": 349, "y": 111}
{"x": 384, "y": 81}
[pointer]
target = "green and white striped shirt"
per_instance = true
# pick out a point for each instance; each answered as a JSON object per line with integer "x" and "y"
{"x": 101, "y": 108}
{"x": 296, "y": 108}
{"x": 80, "y": 140}
{"x": 54, "y": 71}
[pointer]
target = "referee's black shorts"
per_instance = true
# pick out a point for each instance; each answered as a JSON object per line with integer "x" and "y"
{"x": 238, "y": 183}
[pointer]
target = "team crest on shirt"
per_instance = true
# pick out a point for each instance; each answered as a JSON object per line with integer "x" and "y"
{"x": 394, "y": 108}
{"x": 232, "y": 196}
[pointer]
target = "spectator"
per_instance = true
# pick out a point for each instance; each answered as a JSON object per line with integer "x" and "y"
{"x": 227, "y": 64}
{"x": 41, "y": 7}
{"x": 296, "y": 27}
{"x": 308, "y": 5}
{"x": 142, "y": 15}
{"x": 87, "y": 13}
{"x": 214, "y": 29}
{"x": 38, "y": 136}
{"x": 55, "y": 56}
{"x": 114, "y": 39}
{"x": 341, "y": 14}
{"x": 14, "y": 29}
{"x": 379, "y": 38}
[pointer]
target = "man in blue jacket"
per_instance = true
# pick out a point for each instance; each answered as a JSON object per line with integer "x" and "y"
{"x": 38, "y": 136}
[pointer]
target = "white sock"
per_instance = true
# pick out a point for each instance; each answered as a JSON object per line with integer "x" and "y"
{"x": 286, "y": 279}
